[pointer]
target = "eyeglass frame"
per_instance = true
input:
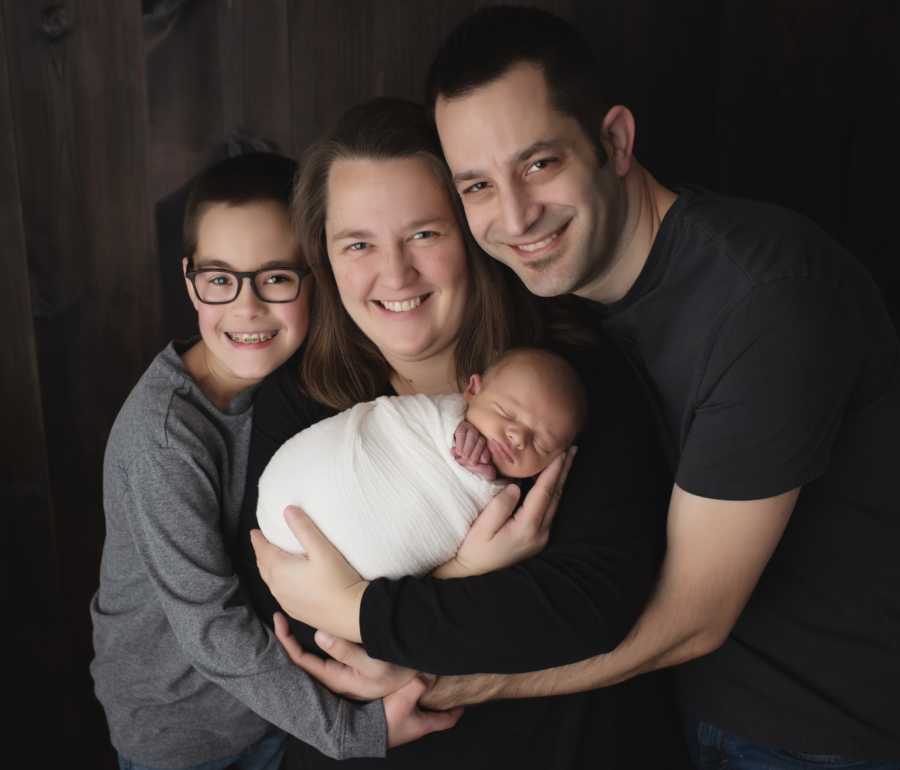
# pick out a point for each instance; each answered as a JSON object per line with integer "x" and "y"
{"x": 240, "y": 275}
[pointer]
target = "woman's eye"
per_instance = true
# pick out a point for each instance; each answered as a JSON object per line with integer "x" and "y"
{"x": 220, "y": 279}
{"x": 358, "y": 246}
{"x": 277, "y": 278}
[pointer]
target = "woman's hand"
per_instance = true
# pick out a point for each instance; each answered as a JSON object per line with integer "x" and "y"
{"x": 350, "y": 672}
{"x": 319, "y": 587}
{"x": 502, "y": 535}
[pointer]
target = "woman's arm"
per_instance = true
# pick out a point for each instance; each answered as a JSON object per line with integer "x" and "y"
{"x": 576, "y": 599}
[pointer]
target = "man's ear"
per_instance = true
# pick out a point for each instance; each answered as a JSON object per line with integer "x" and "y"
{"x": 187, "y": 284}
{"x": 473, "y": 388}
{"x": 618, "y": 138}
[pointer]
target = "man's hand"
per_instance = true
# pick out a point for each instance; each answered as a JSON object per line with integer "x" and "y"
{"x": 406, "y": 722}
{"x": 502, "y": 535}
{"x": 351, "y": 672}
{"x": 319, "y": 587}
{"x": 450, "y": 691}
{"x": 470, "y": 451}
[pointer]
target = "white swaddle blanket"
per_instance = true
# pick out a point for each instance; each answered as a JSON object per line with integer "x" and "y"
{"x": 380, "y": 482}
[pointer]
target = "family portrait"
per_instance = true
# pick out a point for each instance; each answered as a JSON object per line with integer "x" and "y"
{"x": 452, "y": 384}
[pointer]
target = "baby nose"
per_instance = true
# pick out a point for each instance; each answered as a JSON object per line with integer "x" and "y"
{"x": 516, "y": 436}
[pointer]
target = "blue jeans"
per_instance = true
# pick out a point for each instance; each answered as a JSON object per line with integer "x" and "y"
{"x": 265, "y": 754}
{"x": 711, "y": 747}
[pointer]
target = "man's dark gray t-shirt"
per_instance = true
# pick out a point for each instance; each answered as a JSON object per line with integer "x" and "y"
{"x": 184, "y": 669}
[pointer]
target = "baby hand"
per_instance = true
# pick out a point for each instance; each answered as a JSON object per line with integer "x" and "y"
{"x": 470, "y": 451}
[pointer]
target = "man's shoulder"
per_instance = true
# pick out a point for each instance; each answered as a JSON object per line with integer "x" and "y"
{"x": 759, "y": 242}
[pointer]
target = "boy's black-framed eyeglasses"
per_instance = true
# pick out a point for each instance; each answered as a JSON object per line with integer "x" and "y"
{"x": 218, "y": 286}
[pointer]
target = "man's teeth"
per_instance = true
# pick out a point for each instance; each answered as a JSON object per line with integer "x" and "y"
{"x": 401, "y": 307}
{"x": 540, "y": 244}
{"x": 249, "y": 339}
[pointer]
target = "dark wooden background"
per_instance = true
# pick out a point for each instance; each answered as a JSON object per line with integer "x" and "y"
{"x": 107, "y": 109}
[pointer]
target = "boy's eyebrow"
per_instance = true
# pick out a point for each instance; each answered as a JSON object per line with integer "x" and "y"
{"x": 272, "y": 264}
{"x": 517, "y": 157}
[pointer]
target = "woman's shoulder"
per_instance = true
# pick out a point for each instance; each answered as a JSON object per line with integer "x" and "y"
{"x": 281, "y": 408}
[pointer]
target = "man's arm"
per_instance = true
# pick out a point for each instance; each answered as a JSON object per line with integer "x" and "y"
{"x": 717, "y": 549}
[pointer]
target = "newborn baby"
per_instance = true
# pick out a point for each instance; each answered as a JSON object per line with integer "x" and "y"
{"x": 395, "y": 483}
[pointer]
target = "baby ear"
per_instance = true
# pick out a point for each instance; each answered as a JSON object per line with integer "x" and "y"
{"x": 473, "y": 388}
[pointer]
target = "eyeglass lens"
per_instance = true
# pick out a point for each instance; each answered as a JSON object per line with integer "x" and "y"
{"x": 272, "y": 285}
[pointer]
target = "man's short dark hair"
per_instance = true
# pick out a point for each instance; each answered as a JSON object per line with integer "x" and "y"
{"x": 260, "y": 176}
{"x": 491, "y": 41}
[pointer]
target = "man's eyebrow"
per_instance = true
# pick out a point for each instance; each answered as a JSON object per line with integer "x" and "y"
{"x": 517, "y": 157}
{"x": 539, "y": 146}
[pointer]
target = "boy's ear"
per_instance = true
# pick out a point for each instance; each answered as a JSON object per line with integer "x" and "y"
{"x": 473, "y": 388}
{"x": 187, "y": 283}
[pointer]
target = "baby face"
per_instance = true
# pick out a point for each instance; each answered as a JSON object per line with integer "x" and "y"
{"x": 526, "y": 419}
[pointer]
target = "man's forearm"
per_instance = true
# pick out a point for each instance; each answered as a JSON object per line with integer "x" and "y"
{"x": 638, "y": 653}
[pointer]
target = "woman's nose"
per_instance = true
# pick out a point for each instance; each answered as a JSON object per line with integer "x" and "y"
{"x": 397, "y": 270}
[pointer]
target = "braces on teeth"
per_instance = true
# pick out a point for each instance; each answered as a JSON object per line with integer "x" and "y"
{"x": 250, "y": 338}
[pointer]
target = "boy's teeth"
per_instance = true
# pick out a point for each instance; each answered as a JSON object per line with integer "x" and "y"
{"x": 249, "y": 339}
{"x": 401, "y": 307}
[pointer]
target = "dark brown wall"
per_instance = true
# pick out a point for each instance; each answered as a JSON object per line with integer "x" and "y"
{"x": 106, "y": 113}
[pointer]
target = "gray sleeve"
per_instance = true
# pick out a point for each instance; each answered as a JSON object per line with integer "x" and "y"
{"x": 172, "y": 506}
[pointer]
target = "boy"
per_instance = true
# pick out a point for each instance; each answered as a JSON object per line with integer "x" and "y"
{"x": 185, "y": 672}
{"x": 396, "y": 483}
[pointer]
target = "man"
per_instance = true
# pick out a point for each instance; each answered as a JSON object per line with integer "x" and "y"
{"x": 775, "y": 368}
{"x": 776, "y": 373}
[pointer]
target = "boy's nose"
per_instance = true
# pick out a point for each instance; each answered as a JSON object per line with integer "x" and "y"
{"x": 246, "y": 301}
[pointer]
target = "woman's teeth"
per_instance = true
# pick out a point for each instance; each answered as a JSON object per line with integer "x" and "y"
{"x": 250, "y": 339}
{"x": 401, "y": 307}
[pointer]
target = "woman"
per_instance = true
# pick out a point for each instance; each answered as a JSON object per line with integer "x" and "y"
{"x": 405, "y": 303}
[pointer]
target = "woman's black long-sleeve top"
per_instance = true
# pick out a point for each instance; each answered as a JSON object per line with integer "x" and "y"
{"x": 576, "y": 599}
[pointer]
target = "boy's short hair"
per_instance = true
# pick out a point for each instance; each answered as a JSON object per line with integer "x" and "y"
{"x": 492, "y": 40}
{"x": 261, "y": 176}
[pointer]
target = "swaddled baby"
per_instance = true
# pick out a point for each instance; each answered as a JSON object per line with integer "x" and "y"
{"x": 396, "y": 482}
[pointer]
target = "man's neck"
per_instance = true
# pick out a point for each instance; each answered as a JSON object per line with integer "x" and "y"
{"x": 646, "y": 203}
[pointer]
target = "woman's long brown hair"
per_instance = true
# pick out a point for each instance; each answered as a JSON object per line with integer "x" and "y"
{"x": 340, "y": 365}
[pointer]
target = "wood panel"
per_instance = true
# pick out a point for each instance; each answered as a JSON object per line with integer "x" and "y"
{"x": 31, "y": 588}
{"x": 79, "y": 103}
{"x": 346, "y": 51}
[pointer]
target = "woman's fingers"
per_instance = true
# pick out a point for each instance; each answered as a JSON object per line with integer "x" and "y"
{"x": 306, "y": 531}
{"x": 268, "y": 556}
{"x": 498, "y": 511}
{"x": 550, "y": 513}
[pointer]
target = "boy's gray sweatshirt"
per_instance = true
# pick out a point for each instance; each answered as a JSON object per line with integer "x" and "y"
{"x": 184, "y": 669}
